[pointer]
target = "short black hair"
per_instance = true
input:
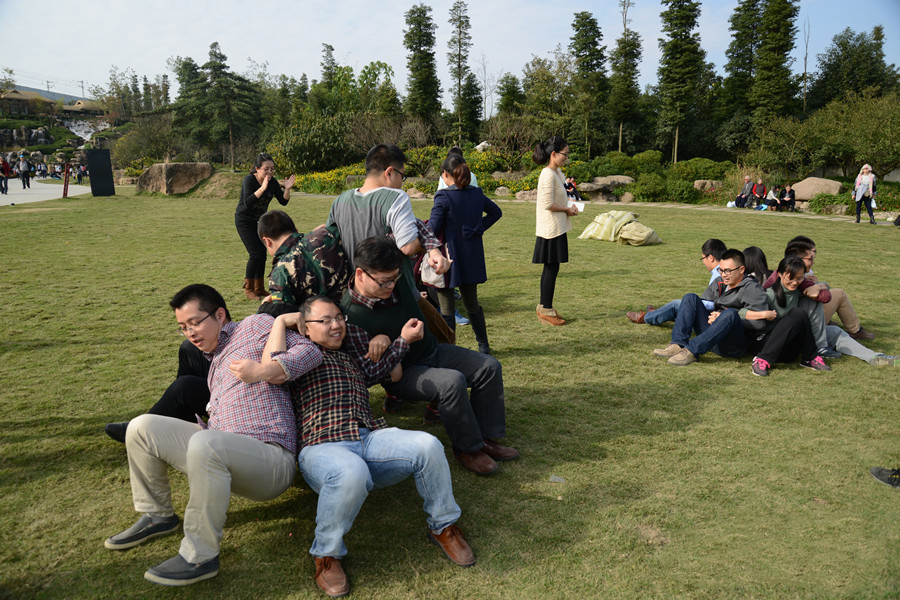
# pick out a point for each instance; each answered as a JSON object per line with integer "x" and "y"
{"x": 714, "y": 247}
{"x": 275, "y": 224}
{"x": 307, "y": 305}
{"x": 734, "y": 254}
{"x": 802, "y": 238}
{"x": 799, "y": 247}
{"x": 378, "y": 254}
{"x": 209, "y": 299}
{"x": 382, "y": 156}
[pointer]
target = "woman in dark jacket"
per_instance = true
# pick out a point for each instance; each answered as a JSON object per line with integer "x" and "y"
{"x": 462, "y": 213}
{"x": 257, "y": 190}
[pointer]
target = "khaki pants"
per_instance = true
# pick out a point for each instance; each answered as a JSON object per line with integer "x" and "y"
{"x": 216, "y": 463}
{"x": 840, "y": 304}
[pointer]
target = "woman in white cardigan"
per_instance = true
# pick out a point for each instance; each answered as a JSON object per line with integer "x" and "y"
{"x": 553, "y": 221}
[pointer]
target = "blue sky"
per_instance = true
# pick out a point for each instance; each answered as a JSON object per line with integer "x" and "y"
{"x": 66, "y": 46}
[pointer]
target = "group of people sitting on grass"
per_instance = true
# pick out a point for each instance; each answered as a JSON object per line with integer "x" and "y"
{"x": 288, "y": 387}
{"x": 775, "y": 316}
{"x": 755, "y": 195}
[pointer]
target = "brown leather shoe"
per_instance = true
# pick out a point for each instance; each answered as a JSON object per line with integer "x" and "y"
{"x": 636, "y": 316}
{"x": 259, "y": 286}
{"x": 477, "y": 462}
{"x": 498, "y": 452}
{"x": 330, "y": 577}
{"x": 862, "y": 334}
{"x": 550, "y": 316}
{"x": 454, "y": 545}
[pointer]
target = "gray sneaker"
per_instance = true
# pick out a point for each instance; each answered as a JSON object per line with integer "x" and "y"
{"x": 883, "y": 360}
{"x": 142, "y": 531}
{"x": 889, "y": 477}
{"x": 178, "y": 571}
{"x": 668, "y": 351}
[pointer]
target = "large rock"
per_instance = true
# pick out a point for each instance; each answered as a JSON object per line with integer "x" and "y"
{"x": 415, "y": 193}
{"x": 37, "y": 156}
{"x": 502, "y": 191}
{"x": 173, "y": 178}
{"x": 627, "y": 197}
{"x": 809, "y": 187}
{"x": 608, "y": 184}
{"x": 529, "y": 195}
{"x": 708, "y": 184}
{"x": 482, "y": 146}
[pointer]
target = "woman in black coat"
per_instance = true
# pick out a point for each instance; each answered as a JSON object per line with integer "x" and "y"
{"x": 257, "y": 191}
{"x": 462, "y": 213}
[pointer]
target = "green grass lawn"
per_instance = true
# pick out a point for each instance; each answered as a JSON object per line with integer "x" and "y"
{"x": 695, "y": 482}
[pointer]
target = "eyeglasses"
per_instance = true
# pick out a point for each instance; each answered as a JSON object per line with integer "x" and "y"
{"x": 566, "y": 154}
{"x": 705, "y": 256}
{"x": 192, "y": 327}
{"x": 729, "y": 271}
{"x": 328, "y": 321}
{"x": 383, "y": 284}
{"x": 401, "y": 173}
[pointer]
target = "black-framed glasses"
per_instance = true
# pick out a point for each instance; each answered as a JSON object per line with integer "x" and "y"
{"x": 402, "y": 174}
{"x": 383, "y": 284}
{"x": 566, "y": 154}
{"x": 192, "y": 327}
{"x": 328, "y": 321}
{"x": 729, "y": 271}
{"x": 705, "y": 256}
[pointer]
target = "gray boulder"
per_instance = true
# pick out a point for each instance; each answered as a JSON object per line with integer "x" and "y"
{"x": 626, "y": 197}
{"x": 707, "y": 184}
{"x": 809, "y": 187}
{"x": 502, "y": 191}
{"x": 528, "y": 195}
{"x": 173, "y": 178}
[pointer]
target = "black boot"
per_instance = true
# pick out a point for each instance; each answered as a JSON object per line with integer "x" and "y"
{"x": 479, "y": 328}
{"x": 451, "y": 321}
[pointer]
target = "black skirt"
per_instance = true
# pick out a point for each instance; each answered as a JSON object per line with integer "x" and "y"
{"x": 551, "y": 251}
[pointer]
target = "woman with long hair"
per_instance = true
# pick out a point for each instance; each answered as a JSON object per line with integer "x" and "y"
{"x": 461, "y": 214}
{"x": 257, "y": 191}
{"x": 864, "y": 192}
{"x": 790, "y": 331}
{"x": 553, "y": 222}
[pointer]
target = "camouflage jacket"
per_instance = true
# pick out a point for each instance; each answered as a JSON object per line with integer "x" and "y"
{"x": 307, "y": 265}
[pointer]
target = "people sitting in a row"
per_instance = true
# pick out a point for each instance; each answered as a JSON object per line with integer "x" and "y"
{"x": 755, "y": 195}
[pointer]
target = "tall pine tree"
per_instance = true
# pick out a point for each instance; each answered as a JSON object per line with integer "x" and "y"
{"x": 458, "y": 57}
{"x": 590, "y": 83}
{"x": 624, "y": 93}
{"x": 773, "y": 86}
{"x": 423, "y": 87}
{"x": 741, "y": 54}
{"x": 681, "y": 69}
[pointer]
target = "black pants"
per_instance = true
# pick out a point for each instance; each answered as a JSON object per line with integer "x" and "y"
{"x": 548, "y": 284}
{"x": 868, "y": 202}
{"x": 791, "y": 336}
{"x": 256, "y": 264}
{"x": 26, "y": 182}
{"x": 188, "y": 395}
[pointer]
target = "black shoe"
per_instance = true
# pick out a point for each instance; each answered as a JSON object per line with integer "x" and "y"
{"x": 117, "y": 431}
{"x": 889, "y": 477}
{"x": 178, "y": 571}
{"x": 431, "y": 416}
{"x": 392, "y": 403}
{"x": 141, "y": 532}
{"x": 829, "y": 353}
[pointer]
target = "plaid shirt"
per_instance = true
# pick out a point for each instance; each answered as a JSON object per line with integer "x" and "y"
{"x": 332, "y": 401}
{"x": 259, "y": 410}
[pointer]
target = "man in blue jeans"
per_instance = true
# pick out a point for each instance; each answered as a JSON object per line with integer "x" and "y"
{"x": 345, "y": 452}
{"x": 711, "y": 254}
{"x": 739, "y": 304}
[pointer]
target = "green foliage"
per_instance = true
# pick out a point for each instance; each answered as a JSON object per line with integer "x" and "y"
{"x": 329, "y": 182}
{"x": 678, "y": 190}
{"x": 623, "y": 106}
{"x": 315, "y": 143}
{"x": 649, "y": 187}
{"x": 699, "y": 168}
{"x": 773, "y": 87}
{"x": 852, "y": 63}
{"x": 820, "y": 201}
{"x": 744, "y": 25}
{"x": 649, "y": 161}
{"x": 458, "y": 58}
{"x": 423, "y": 87}
{"x": 512, "y": 98}
{"x": 420, "y": 160}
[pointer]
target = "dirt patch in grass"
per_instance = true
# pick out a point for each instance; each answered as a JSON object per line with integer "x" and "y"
{"x": 652, "y": 535}
{"x": 34, "y": 210}
{"x": 220, "y": 185}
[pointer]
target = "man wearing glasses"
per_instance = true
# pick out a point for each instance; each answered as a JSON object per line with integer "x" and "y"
{"x": 380, "y": 303}
{"x": 345, "y": 452}
{"x": 246, "y": 448}
{"x": 739, "y": 304}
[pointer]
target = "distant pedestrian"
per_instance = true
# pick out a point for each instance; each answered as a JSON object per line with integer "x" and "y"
{"x": 864, "y": 192}
{"x": 24, "y": 169}
{"x": 5, "y": 173}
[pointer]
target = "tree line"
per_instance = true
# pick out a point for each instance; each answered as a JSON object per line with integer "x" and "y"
{"x": 581, "y": 89}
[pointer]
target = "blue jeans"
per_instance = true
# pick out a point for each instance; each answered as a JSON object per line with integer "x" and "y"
{"x": 4, "y": 185}
{"x": 343, "y": 474}
{"x": 725, "y": 336}
{"x": 664, "y": 313}
{"x": 445, "y": 375}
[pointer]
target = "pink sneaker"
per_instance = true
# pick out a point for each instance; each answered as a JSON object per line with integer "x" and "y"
{"x": 816, "y": 364}
{"x": 760, "y": 366}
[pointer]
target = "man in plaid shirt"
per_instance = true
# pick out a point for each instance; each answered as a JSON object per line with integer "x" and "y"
{"x": 345, "y": 452}
{"x": 247, "y": 447}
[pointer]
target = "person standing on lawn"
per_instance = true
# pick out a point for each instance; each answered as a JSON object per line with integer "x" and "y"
{"x": 257, "y": 190}
{"x": 553, "y": 216}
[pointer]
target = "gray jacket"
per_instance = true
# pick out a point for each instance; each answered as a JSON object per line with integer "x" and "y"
{"x": 747, "y": 295}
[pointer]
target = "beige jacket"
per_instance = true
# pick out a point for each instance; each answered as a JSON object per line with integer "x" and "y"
{"x": 551, "y": 189}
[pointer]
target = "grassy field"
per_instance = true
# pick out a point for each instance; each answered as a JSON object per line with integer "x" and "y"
{"x": 694, "y": 482}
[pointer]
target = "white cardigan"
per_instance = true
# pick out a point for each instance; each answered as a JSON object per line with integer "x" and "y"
{"x": 551, "y": 190}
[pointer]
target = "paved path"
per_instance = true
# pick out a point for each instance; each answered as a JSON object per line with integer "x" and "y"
{"x": 39, "y": 192}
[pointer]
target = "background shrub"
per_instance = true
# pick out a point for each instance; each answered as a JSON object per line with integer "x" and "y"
{"x": 678, "y": 190}
{"x": 649, "y": 161}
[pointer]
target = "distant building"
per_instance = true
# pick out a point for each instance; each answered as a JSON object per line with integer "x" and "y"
{"x": 18, "y": 102}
